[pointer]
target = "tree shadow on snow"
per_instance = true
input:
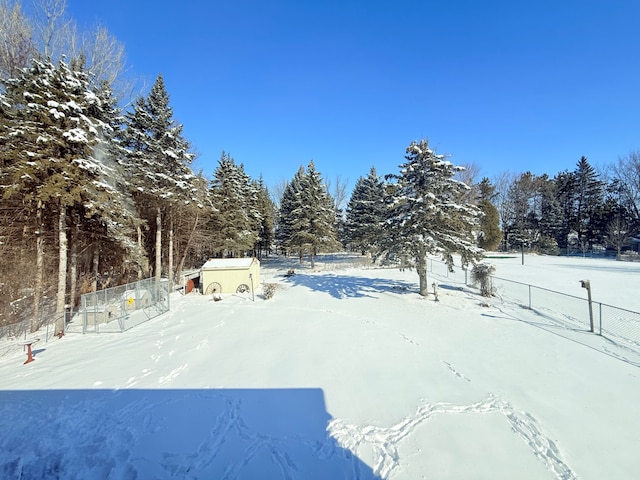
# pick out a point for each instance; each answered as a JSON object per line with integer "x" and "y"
{"x": 349, "y": 286}
{"x": 212, "y": 433}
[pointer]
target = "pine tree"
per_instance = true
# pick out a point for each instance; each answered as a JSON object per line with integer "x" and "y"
{"x": 307, "y": 215}
{"x": 365, "y": 214}
{"x": 551, "y": 221}
{"x": 314, "y": 217}
{"x": 267, "y": 212}
{"x": 158, "y": 170}
{"x": 490, "y": 235}
{"x": 55, "y": 133}
{"x": 290, "y": 201}
{"x": 236, "y": 220}
{"x": 589, "y": 202}
{"x": 425, "y": 216}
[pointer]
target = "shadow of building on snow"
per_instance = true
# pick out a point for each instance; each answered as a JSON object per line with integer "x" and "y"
{"x": 209, "y": 433}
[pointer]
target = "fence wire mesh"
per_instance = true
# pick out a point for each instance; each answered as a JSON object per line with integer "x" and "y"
{"x": 120, "y": 308}
{"x": 569, "y": 311}
{"x": 619, "y": 324}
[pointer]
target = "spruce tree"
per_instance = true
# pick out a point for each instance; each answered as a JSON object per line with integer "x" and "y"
{"x": 425, "y": 216}
{"x": 236, "y": 220}
{"x": 307, "y": 217}
{"x": 365, "y": 214}
{"x": 158, "y": 171}
{"x": 290, "y": 201}
{"x": 589, "y": 202}
{"x": 313, "y": 226}
{"x": 56, "y": 131}
{"x": 267, "y": 212}
{"x": 490, "y": 235}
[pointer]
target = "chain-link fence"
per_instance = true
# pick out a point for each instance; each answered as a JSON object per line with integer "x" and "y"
{"x": 440, "y": 269}
{"x": 44, "y": 329}
{"x": 120, "y": 308}
{"x": 618, "y": 323}
{"x": 565, "y": 310}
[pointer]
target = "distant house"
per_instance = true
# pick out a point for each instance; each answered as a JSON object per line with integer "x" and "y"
{"x": 230, "y": 275}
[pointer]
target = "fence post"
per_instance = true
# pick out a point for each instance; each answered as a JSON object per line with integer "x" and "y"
{"x": 600, "y": 315}
{"x": 587, "y": 284}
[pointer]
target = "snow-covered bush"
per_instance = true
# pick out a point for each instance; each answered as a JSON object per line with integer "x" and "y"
{"x": 481, "y": 276}
{"x": 269, "y": 290}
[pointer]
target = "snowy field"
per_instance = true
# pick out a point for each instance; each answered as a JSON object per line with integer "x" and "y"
{"x": 346, "y": 373}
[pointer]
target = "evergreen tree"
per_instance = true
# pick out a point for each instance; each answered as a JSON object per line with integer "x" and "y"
{"x": 54, "y": 131}
{"x": 589, "y": 202}
{"x": 425, "y": 216}
{"x": 236, "y": 219}
{"x": 365, "y": 214}
{"x": 267, "y": 212}
{"x": 313, "y": 225}
{"x": 490, "y": 235}
{"x": 158, "y": 171}
{"x": 307, "y": 215}
{"x": 291, "y": 200}
{"x": 551, "y": 220}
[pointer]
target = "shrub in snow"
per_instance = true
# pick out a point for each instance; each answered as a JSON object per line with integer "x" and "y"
{"x": 481, "y": 276}
{"x": 269, "y": 290}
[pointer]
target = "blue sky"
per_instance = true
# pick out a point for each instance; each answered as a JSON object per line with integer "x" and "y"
{"x": 507, "y": 85}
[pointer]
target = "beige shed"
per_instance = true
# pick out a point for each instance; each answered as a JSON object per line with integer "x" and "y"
{"x": 230, "y": 275}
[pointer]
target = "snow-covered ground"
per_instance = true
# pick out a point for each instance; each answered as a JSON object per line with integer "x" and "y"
{"x": 345, "y": 373}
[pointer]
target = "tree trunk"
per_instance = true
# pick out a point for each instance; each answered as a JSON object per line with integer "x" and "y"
{"x": 158, "y": 269}
{"x": 95, "y": 267}
{"x": 39, "y": 280}
{"x": 62, "y": 271}
{"x": 170, "y": 252}
{"x": 183, "y": 258}
{"x": 421, "y": 268}
{"x": 73, "y": 271}
{"x": 140, "y": 272}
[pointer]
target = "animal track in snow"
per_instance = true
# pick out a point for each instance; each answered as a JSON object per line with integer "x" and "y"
{"x": 173, "y": 374}
{"x": 455, "y": 372}
{"x": 383, "y": 441}
{"x": 409, "y": 340}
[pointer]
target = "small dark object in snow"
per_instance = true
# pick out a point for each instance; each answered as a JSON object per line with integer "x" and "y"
{"x": 217, "y": 297}
{"x": 483, "y": 304}
{"x": 290, "y": 273}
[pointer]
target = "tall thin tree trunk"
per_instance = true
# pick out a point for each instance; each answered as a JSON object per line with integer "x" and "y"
{"x": 158, "y": 269}
{"x": 95, "y": 267}
{"x": 73, "y": 270}
{"x": 183, "y": 258}
{"x": 39, "y": 280}
{"x": 170, "y": 251}
{"x": 421, "y": 269}
{"x": 62, "y": 271}
{"x": 140, "y": 272}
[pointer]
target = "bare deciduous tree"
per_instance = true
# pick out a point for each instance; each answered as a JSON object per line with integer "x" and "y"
{"x": 627, "y": 172}
{"x": 469, "y": 175}
{"x": 618, "y": 233}
{"x": 338, "y": 191}
{"x": 502, "y": 182}
{"x": 52, "y": 27}
{"x": 16, "y": 39}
